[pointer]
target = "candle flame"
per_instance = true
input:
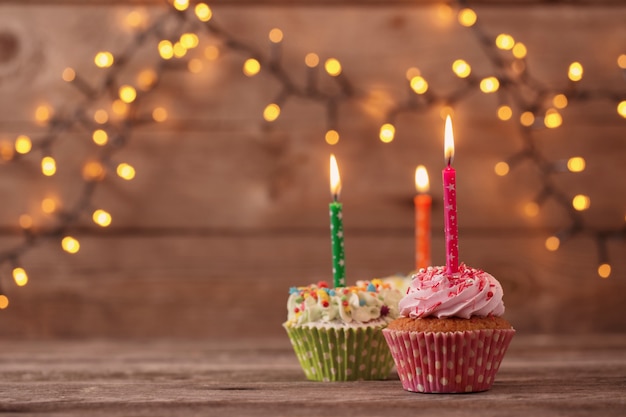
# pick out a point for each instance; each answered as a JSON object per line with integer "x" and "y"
{"x": 449, "y": 141}
{"x": 421, "y": 180}
{"x": 335, "y": 179}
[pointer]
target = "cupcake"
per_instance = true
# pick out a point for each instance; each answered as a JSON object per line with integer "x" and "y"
{"x": 450, "y": 336}
{"x": 336, "y": 333}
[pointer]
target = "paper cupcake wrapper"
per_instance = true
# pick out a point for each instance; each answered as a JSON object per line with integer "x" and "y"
{"x": 453, "y": 362}
{"x": 351, "y": 354}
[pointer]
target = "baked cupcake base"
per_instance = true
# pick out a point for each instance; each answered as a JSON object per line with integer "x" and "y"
{"x": 341, "y": 354}
{"x": 448, "y": 361}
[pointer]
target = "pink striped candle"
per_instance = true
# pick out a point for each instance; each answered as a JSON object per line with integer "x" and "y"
{"x": 449, "y": 203}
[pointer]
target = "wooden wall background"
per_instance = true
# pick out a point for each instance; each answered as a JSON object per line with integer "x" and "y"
{"x": 226, "y": 212}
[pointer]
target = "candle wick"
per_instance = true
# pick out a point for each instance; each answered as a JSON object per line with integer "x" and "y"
{"x": 335, "y": 197}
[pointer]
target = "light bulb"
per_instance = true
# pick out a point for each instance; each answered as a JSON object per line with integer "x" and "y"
{"x": 332, "y": 67}
{"x": 20, "y": 277}
{"x": 70, "y": 244}
{"x": 101, "y": 218}
{"x": 48, "y": 166}
{"x": 271, "y": 112}
{"x": 332, "y": 137}
{"x": 501, "y": 168}
{"x": 387, "y": 133}
{"x": 203, "y": 12}
{"x": 251, "y": 67}
{"x": 104, "y": 59}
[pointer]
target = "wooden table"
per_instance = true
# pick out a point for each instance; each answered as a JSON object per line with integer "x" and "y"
{"x": 540, "y": 376}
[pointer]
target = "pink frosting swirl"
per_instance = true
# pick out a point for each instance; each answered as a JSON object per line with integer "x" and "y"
{"x": 470, "y": 292}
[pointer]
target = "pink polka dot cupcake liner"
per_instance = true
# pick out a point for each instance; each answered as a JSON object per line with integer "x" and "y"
{"x": 448, "y": 362}
{"x": 341, "y": 354}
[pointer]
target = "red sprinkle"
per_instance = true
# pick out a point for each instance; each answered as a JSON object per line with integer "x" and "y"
{"x": 325, "y": 303}
{"x": 345, "y": 303}
{"x": 296, "y": 310}
{"x": 489, "y": 294}
{"x": 322, "y": 284}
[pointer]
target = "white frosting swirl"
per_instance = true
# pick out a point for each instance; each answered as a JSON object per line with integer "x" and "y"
{"x": 470, "y": 292}
{"x": 369, "y": 302}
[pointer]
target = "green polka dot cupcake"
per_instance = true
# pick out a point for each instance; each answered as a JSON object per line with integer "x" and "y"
{"x": 336, "y": 333}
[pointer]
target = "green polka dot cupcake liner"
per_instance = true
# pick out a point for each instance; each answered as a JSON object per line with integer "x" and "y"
{"x": 448, "y": 362}
{"x": 341, "y": 354}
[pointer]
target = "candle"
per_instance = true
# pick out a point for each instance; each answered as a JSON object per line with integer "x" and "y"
{"x": 336, "y": 226}
{"x": 423, "y": 203}
{"x": 449, "y": 203}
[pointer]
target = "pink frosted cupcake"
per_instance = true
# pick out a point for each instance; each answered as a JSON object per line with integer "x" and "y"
{"x": 450, "y": 337}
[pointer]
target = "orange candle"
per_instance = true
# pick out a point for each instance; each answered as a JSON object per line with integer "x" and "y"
{"x": 423, "y": 203}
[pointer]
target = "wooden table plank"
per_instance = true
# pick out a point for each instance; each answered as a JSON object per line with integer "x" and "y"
{"x": 541, "y": 376}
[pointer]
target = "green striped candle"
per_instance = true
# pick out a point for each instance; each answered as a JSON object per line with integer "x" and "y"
{"x": 336, "y": 226}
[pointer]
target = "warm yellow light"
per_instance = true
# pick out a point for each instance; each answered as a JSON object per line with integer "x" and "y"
{"x": 552, "y": 119}
{"x": 531, "y": 209}
{"x": 166, "y": 49}
{"x": 505, "y": 112}
{"x": 189, "y": 40}
{"x": 387, "y": 133}
{"x": 412, "y": 73}
{"x": 552, "y": 243}
{"x": 101, "y": 218}
{"x": 179, "y": 50}
{"x": 100, "y": 137}
{"x": 48, "y": 205}
{"x": 181, "y": 5}
{"x": 445, "y": 112}
{"x": 135, "y": 19}
{"x": 604, "y": 270}
{"x": 560, "y": 101}
{"x": 527, "y": 119}
{"x": 422, "y": 184}
{"x": 501, "y": 168}
{"x": 461, "y": 68}
{"x": 519, "y": 50}
{"x": 101, "y": 116}
{"x": 119, "y": 107}
{"x": 70, "y": 244}
{"x": 194, "y": 66}
{"x": 467, "y": 17}
{"x": 43, "y": 113}
{"x": 25, "y": 221}
{"x": 23, "y": 144}
{"x": 48, "y": 166}
{"x": 335, "y": 178}
{"x": 251, "y": 67}
{"x": 6, "y": 150}
{"x": 68, "y": 74}
{"x": 576, "y": 164}
{"x": 4, "y": 301}
{"x": 146, "y": 79}
{"x": 276, "y": 35}
{"x": 621, "y": 61}
{"x": 448, "y": 148}
{"x": 332, "y": 67}
{"x": 581, "y": 202}
{"x": 332, "y": 137}
{"x": 211, "y": 52}
{"x": 125, "y": 171}
{"x": 621, "y": 108}
{"x": 419, "y": 84}
{"x": 505, "y": 41}
{"x": 159, "y": 114}
{"x": 93, "y": 171}
{"x": 575, "y": 72}
{"x": 311, "y": 60}
{"x": 20, "y": 277}
{"x": 271, "y": 112}
{"x": 489, "y": 85}
{"x": 203, "y": 12}
{"x": 103, "y": 59}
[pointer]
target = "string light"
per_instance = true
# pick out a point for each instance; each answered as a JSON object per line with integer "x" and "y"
{"x": 127, "y": 94}
{"x": 251, "y": 67}
{"x": 604, "y": 270}
{"x": 48, "y": 166}
{"x": 4, "y": 301}
{"x": 168, "y": 28}
{"x": 102, "y": 218}
{"x": 529, "y": 97}
{"x": 20, "y": 277}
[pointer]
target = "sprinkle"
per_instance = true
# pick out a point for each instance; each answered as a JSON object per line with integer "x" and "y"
{"x": 489, "y": 295}
{"x": 344, "y": 303}
{"x": 384, "y": 310}
{"x": 293, "y": 290}
{"x": 325, "y": 304}
{"x": 296, "y": 310}
{"x": 361, "y": 303}
{"x": 331, "y": 292}
{"x": 371, "y": 287}
{"x": 322, "y": 284}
